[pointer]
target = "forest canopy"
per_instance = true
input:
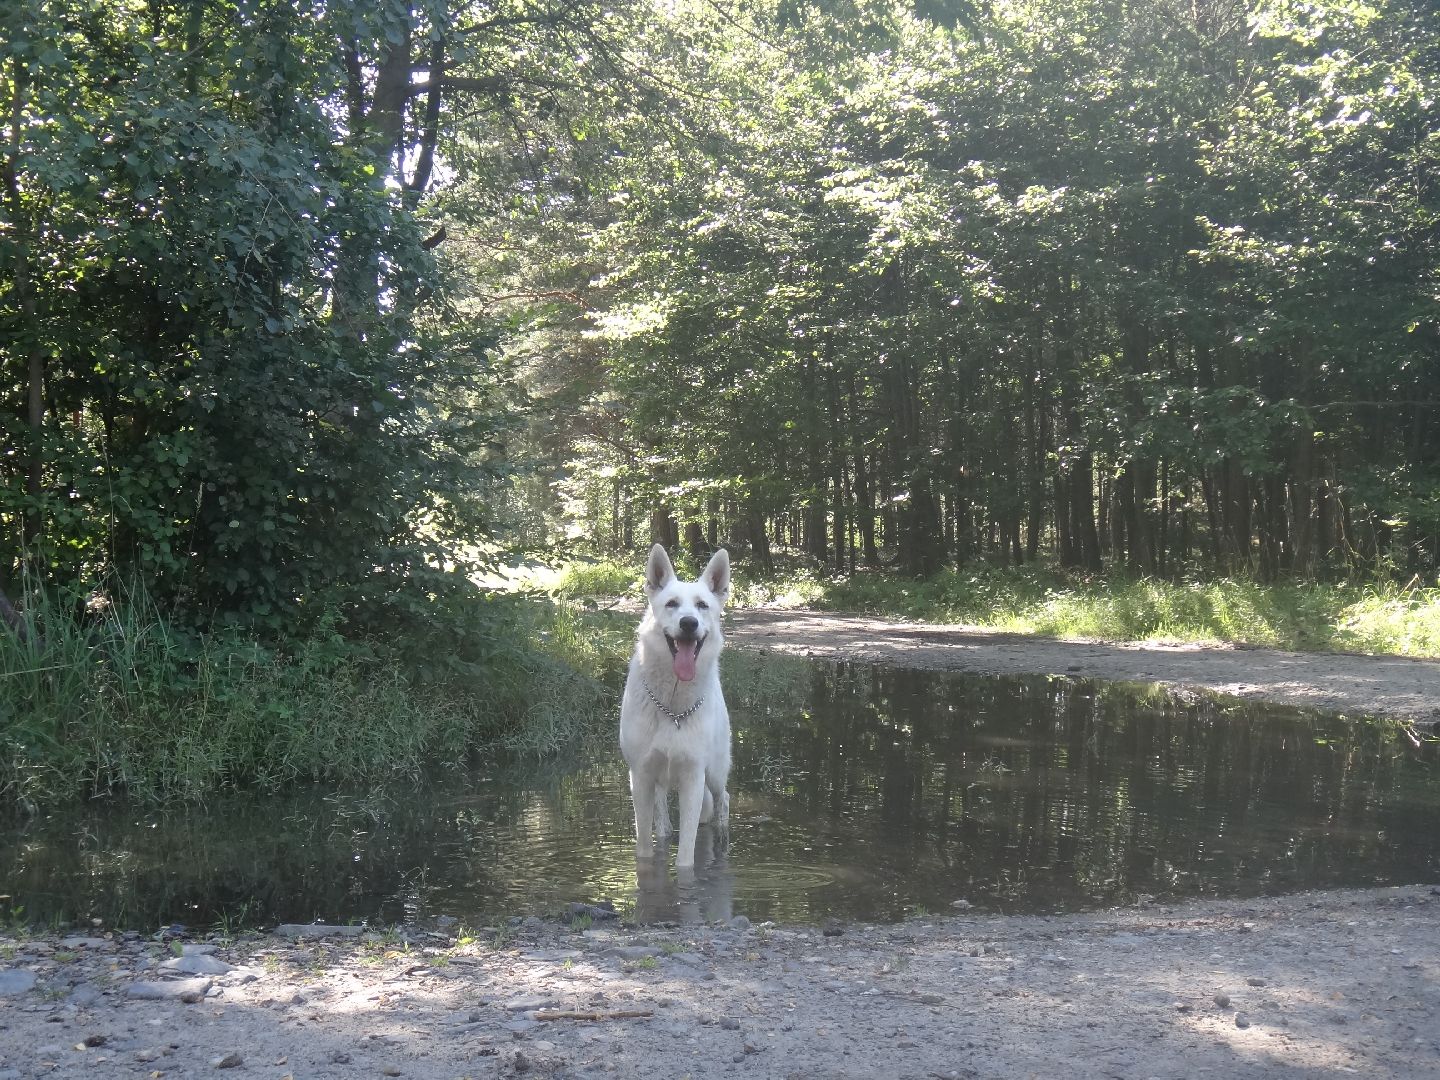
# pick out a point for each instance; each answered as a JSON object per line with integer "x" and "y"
{"x": 1150, "y": 286}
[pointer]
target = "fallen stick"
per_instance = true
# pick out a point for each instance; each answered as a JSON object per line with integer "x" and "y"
{"x": 617, "y": 1014}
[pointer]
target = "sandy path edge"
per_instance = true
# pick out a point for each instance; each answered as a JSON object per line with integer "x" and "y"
{"x": 1381, "y": 685}
{"x": 1313, "y": 985}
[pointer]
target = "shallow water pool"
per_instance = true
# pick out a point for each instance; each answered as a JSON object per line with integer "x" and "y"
{"x": 858, "y": 792}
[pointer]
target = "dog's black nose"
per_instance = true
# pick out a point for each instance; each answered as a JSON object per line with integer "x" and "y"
{"x": 689, "y": 624}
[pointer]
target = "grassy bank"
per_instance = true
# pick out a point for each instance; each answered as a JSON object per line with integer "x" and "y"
{"x": 124, "y": 699}
{"x": 1384, "y": 619}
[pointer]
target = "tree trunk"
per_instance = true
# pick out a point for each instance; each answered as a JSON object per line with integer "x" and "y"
{"x": 759, "y": 539}
{"x": 22, "y": 287}
{"x": 1065, "y": 549}
{"x": 1082, "y": 504}
{"x": 865, "y": 510}
{"x": 662, "y": 528}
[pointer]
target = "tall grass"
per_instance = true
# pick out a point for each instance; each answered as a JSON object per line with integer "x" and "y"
{"x": 604, "y": 578}
{"x": 122, "y": 698}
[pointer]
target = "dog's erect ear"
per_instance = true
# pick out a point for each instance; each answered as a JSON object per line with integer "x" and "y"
{"x": 717, "y": 574}
{"x": 658, "y": 571}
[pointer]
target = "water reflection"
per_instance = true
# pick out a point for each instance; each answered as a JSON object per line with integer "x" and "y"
{"x": 856, "y": 792}
{"x": 703, "y": 894}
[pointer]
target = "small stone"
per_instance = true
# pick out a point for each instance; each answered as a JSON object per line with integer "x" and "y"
{"x": 339, "y": 1057}
{"x": 1241, "y": 1020}
{"x": 305, "y": 931}
{"x": 833, "y": 929}
{"x": 634, "y": 952}
{"x": 526, "y": 1004}
{"x": 96, "y": 1040}
{"x": 1252, "y": 981}
{"x": 16, "y": 981}
{"x": 521, "y": 1062}
{"x": 740, "y": 922}
{"x": 83, "y": 995}
{"x": 199, "y": 964}
{"x": 175, "y": 988}
{"x": 83, "y": 942}
{"x": 597, "y": 912}
{"x": 729, "y": 1023}
{"x": 231, "y": 1060}
{"x": 1222, "y": 1000}
{"x": 390, "y": 1070}
{"x": 192, "y": 997}
{"x": 195, "y": 948}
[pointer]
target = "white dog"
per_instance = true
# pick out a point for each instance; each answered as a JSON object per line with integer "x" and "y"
{"x": 674, "y": 728}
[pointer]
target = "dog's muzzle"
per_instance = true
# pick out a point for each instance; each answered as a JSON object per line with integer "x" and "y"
{"x": 684, "y": 655}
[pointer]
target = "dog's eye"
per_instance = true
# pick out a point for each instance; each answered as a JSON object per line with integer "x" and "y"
{"x": 672, "y": 603}
{"x": 702, "y": 605}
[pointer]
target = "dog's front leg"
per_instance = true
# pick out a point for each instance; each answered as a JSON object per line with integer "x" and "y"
{"x": 720, "y": 821}
{"x": 691, "y": 796}
{"x": 642, "y": 794}
{"x": 662, "y": 814}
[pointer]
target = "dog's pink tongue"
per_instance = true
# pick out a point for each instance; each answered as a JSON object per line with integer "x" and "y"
{"x": 686, "y": 653}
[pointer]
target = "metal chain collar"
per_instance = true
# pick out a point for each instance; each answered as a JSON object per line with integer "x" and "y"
{"x": 665, "y": 710}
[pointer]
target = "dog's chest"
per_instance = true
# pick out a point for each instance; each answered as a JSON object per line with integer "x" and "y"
{"x": 657, "y": 743}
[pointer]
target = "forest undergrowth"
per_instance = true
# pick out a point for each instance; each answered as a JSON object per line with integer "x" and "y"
{"x": 119, "y": 697}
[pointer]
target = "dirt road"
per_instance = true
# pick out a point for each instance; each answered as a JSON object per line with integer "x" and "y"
{"x": 1387, "y": 685}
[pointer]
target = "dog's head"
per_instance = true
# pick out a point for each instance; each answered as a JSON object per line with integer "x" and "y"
{"x": 687, "y": 613}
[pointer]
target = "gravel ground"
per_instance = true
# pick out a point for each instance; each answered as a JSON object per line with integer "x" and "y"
{"x": 1311, "y": 985}
{"x": 1303, "y": 986}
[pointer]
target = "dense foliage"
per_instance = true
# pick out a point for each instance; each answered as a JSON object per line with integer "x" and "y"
{"x": 229, "y": 364}
{"x": 1147, "y": 285}
{"x": 247, "y": 441}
